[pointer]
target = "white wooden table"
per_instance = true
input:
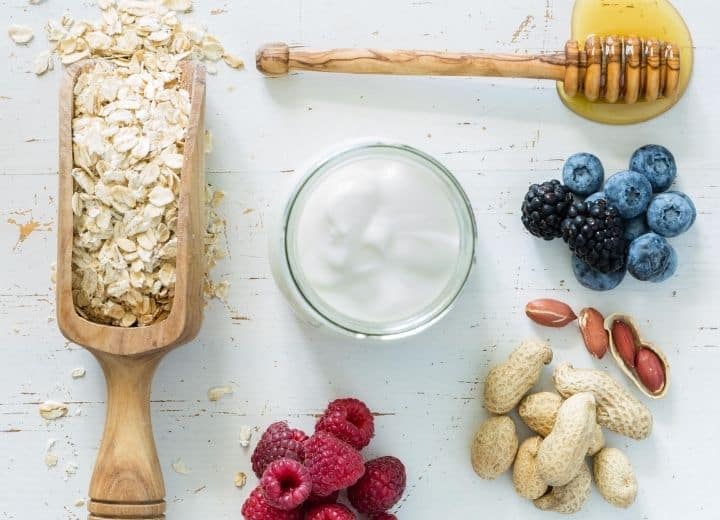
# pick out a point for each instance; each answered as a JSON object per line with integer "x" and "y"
{"x": 496, "y": 136}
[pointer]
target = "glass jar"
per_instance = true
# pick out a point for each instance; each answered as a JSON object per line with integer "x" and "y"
{"x": 304, "y": 294}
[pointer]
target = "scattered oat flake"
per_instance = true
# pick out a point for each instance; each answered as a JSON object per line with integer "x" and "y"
{"x": 234, "y": 61}
{"x": 20, "y": 34}
{"x": 178, "y": 5}
{"x": 50, "y": 444}
{"x": 217, "y": 392}
{"x": 42, "y": 63}
{"x": 52, "y": 410}
{"x": 245, "y": 436}
{"x": 240, "y": 480}
{"x": 51, "y": 460}
{"x": 217, "y": 11}
{"x": 179, "y": 467}
{"x": 71, "y": 468}
{"x": 77, "y": 373}
{"x": 79, "y": 502}
{"x": 212, "y": 49}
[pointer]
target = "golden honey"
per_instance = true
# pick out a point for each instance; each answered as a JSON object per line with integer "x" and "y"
{"x": 644, "y": 18}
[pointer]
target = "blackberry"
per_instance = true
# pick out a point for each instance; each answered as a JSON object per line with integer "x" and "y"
{"x": 595, "y": 232}
{"x": 544, "y": 208}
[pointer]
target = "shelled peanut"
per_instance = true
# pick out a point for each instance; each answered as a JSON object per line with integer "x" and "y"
{"x": 644, "y": 363}
{"x": 551, "y": 468}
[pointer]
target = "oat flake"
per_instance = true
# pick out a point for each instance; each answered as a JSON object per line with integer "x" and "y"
{"x": 217, "y": 392}
{"x": 179, "y": 467}
{"x": 20, "y": 34}
{"x": 245, "y": 436}
{"x": 51, "y": 460}
{"x": 42, "y": 63}
{"x": 240, "y": 480}
{"x": 51, "y": 410}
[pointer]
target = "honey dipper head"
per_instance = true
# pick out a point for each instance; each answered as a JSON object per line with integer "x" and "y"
{"x": 627, "y": 69}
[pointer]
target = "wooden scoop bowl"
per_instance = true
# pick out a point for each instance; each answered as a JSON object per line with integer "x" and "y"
{"x": 609, "y": 68}
{"x": 127, "y": 482}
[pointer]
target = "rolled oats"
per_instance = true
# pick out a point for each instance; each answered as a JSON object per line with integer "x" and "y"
{"x": 217, "y": 392}
{"x": 129, "y": 127}
{"x": 20, "y": 34}
{"x": 51, "y": 410}
{"x": 233, "y": 61}
{"x": 240, "y": 479}
{"x": 245, "y": 436}
{"x": 179, "y": 467}
{"x": 42, "y": 63}
{"x": 51, "y": 460}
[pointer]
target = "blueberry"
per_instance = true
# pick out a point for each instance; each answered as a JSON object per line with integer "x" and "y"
{"x": 594, "y": 279}
{"x": 651, "y": 258}
{"x": 629, "y": 192}
{"x": 671, "y": 213}
{"x": 583, "y": 173}
{"x": 656, "y": 163}
{"x": 635, "y": 227}
{"x": 600, "y": 195}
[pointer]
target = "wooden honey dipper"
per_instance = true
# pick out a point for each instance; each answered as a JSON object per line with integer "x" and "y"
{"x": 608, "y": 68}
{"x": 127, "y": 482}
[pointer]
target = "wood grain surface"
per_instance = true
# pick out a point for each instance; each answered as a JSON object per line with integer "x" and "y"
{"x": 496, "y": 136}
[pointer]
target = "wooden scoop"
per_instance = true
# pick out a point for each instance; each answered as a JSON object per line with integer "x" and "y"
{"x": 609, "y": 69}
{"x": 127, "y": 482}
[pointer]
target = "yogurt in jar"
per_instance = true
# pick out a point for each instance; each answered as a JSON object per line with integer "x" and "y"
{"x": 378, "y": 240}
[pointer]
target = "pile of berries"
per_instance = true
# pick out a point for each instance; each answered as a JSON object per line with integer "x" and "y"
{"x": 621, "y": 227}
{"x": 301, "y": 477}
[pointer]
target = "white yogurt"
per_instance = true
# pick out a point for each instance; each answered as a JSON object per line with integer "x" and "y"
{"x": 379, "y": 240}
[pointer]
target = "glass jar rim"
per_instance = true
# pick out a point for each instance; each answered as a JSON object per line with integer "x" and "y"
{"x": 466, "y": 253}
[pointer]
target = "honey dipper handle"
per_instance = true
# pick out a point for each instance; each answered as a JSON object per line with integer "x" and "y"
{"x": 277, "y": 59}
{"x": 127, "y": 481}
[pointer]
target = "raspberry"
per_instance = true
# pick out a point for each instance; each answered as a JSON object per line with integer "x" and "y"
{"x": 329, "y": 512}
{"x": 349, "y": 420}
{"x": 382, "y": 516}
{"x": 332, "y": 463}
{"x": 257, "y": 508}
{"x": 278, "y": 442}
{"x": 381, "y": 486}
{"x": 286, "y": 484}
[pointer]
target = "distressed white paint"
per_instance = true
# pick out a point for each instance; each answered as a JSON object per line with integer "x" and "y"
{"x": 496, "y": 136}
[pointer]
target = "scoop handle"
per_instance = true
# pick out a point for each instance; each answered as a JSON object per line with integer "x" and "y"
{"x": 127, "y": 481}
{"x": 278, "y": 59}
